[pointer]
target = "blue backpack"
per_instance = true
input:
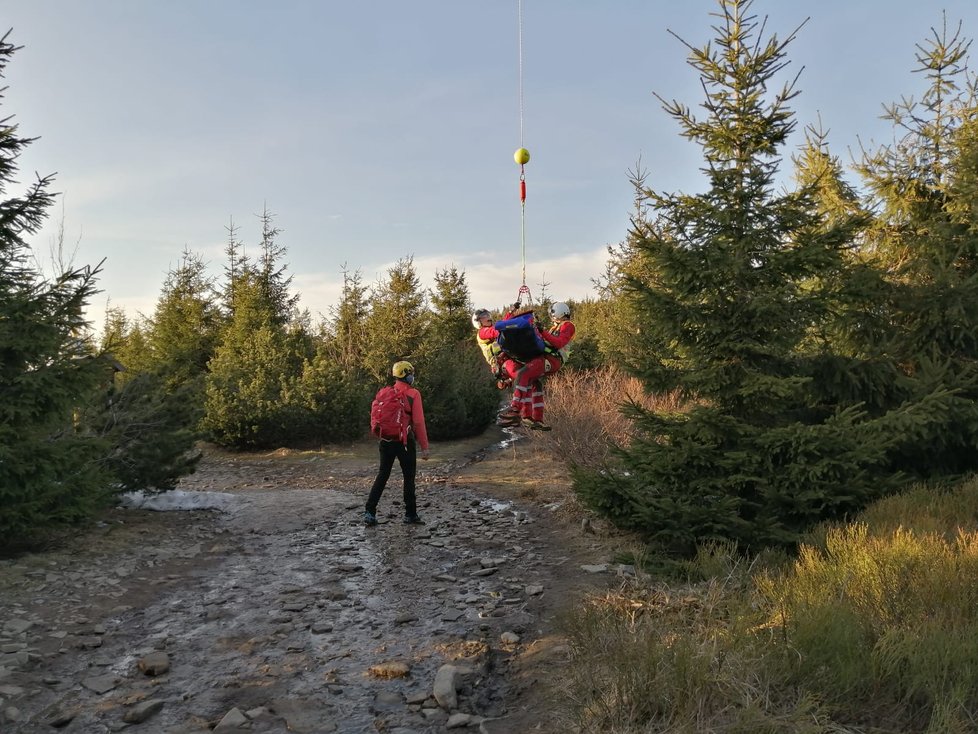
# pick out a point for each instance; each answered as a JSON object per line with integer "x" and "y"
{"x": 519, "y": 338}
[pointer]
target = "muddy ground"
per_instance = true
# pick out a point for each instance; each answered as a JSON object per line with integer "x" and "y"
{"x": 284, "y": 613}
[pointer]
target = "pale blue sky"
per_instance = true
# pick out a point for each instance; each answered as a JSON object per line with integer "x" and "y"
{"x": 379, "y": 129}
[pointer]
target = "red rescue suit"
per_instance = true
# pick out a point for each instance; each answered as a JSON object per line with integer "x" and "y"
{"x": 527, "y": 388}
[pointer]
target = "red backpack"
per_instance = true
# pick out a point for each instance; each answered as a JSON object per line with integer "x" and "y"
{"x": 389, "y": 416}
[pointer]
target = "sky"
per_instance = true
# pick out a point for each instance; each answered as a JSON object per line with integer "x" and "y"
{"x": 376, "y": 130}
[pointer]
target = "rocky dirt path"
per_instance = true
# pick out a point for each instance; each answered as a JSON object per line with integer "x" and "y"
{"x": 286, "y": 614}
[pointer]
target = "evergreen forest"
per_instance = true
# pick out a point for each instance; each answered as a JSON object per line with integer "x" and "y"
{"x": 816, "y": 319}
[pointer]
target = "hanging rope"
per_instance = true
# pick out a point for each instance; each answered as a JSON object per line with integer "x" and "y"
{"x": 522, "y": 157}
{"x": 521, "y": 69}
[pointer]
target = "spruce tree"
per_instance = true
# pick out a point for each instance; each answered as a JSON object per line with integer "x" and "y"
{"x": 148, "y": 414}
{"x": 185, "y": 327}
{"x": 733, "y": 284}
{"x": 273, "y": 275}
{"x": 150, "y": 429}
{"x": 237, "y": 265}
{"x": 459, "y": 393}
{"x": 126, "y": 340}
{"x": 617, "y": 324}
{"x": 50, "y": 467}
{"x": 346, "y": 331}
{"x": 250, "y": 373}
{"x": 253, "y": 398}
{"x": 848, "y": 349}
{"x": 397, "y": 321}
{"x": 334, "y": 391}
{"x": 925, "y": 240}
{"x": 451, "y": 305}
{"x": 331, "y": 402}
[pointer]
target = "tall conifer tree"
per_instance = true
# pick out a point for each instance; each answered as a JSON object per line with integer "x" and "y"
{"x": 346, "y": 333}
{"x": 50, "y": 467}
{"x": 926, "y": 241}
{"x": 251, "y": 396}
{"x": 732, "y": 287}
{"x": 185, "y": 327}
{"x": 398, "y": 319}
{"x": 460, "y": 396}
{"x": 452, "y": 305}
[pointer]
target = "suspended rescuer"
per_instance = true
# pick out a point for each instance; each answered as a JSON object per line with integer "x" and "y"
{"x": 527, "y": 405}
{"x": 397, "y": 419}
{"x": 495, "y": 357}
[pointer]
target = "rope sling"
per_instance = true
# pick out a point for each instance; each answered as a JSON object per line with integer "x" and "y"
{"x": 522, "y": 157}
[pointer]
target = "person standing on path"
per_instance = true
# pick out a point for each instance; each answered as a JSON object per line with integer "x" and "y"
{"x": 404, "y": 452}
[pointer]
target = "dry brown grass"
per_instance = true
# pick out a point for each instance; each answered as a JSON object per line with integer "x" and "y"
{"x": 584, "y": 408}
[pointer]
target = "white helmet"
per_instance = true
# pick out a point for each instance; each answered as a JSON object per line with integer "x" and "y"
{"x": 477, "y": 317}
{"x": 560, "y": 310}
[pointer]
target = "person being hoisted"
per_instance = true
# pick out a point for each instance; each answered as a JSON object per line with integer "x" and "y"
{"x": 495, "y": 357}
{"x": 527, "y": 406}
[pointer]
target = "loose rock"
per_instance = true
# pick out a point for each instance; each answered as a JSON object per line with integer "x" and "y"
{"x": 142, "y": 711}
{"x": 444, "y": 688}
{"x": 156, "y": 663}
{"x": 395, "y": 669}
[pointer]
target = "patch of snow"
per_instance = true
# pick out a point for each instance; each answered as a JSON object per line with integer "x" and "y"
{"x": 495, "y": 505}
{"x": 507, "y": 442}
{"x": 178, "y": 499}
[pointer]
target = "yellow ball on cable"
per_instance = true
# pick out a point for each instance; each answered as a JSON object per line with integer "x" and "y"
{"x": 521, "y": 156}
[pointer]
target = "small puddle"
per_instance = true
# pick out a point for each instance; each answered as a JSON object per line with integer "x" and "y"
{"x": 495, "y": 505}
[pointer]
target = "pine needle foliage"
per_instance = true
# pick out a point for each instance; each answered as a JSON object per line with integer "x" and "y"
{"x": 185, "y": 327}
{"x": 50, "y": 468}
{"x": 734, "y": 283}
{"x": 149, "y": 429}
{"x": 460, "y": 398}
{"x": 925, "y": 241}
{"x": 251, "y": 373}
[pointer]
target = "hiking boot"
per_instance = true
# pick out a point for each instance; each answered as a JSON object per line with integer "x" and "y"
{"x": 413, "y": 520}
{"x": 535, "y": 425}
{"x": 508, "y": 420}
{"x": 369, "y": 518}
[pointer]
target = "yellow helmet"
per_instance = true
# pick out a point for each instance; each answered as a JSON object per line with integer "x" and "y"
{"x": 400, "y": 370}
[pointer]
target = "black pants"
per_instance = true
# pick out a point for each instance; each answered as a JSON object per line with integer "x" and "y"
{"x": 407, "y": 456}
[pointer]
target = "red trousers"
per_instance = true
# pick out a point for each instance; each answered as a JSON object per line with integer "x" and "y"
{"x": 527, "y": 388}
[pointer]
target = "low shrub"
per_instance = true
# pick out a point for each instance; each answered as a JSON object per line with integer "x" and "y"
{"x": 585, "y": 409}
{"x": 873, "y": 627}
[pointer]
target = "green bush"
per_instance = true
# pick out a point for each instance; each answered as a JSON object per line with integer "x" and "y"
{"x": 460, "y": 396}
{"x": 149, "y": 432}
{"x": 244, "y": 406}
{"x": 884, "y": 621}
{"x": 872, "y": 628}
{"x": 328, "y": 404}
